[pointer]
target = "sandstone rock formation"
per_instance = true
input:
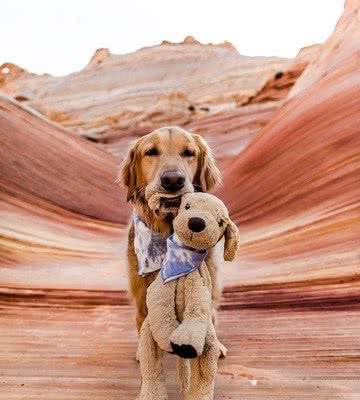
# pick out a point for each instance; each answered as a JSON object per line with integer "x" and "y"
{"x": 169, "y": 83}
{"x": 288, "y": 146}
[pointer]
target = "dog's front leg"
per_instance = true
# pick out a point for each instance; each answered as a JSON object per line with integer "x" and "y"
{"x": 214, "y": 262}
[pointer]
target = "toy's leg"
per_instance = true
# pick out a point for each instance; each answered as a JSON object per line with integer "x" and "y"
{"x": 203, "y": 371}
{"x": 183, "y": 374}
{"x": 150, "y": 356}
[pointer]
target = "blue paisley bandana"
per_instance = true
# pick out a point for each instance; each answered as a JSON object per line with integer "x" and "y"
{"x": 150, "y": 247}
{"x": 154, "y": 251}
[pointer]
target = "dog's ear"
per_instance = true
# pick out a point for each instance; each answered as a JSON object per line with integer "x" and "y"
{"x": 207, "y": 174}
{"x": 232, "y": 241}
{"x": 127, "y": 172}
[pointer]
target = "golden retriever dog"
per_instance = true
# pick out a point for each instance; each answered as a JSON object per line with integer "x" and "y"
{"x": 170, "y": 161}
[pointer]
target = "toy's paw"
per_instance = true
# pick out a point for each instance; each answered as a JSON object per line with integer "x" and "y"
{"x": 222, "y": 350}
{"x": 184, "y": 350}
{"x": 188, "y": 339}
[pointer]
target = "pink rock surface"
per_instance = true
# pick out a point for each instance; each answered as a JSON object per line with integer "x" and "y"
{"x": 295, "y": 189}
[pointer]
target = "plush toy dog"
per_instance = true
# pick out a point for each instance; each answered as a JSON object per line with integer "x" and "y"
{"x": 179, "y": 301}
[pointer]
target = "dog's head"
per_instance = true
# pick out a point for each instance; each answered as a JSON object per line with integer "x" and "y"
{"x": 170, "y": 161}
{"x": 202, "y": 221}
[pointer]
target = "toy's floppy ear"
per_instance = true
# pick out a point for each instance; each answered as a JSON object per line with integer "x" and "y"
{"x": 232, "y": 241}
{"x": 128, "y": 171}
{"x": 207, "y": 175}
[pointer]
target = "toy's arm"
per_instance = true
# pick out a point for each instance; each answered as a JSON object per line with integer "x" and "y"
{"x": 189, "y": 338}
{"x": 197, "y": 298}
{"x": 160, "y": 302}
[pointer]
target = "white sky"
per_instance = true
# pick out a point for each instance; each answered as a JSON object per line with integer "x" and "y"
{"x": 60, "y": 36}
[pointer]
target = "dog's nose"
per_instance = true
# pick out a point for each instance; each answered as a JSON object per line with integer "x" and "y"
{"x": 172, "y": 181}
{"x": 196, "y": 224}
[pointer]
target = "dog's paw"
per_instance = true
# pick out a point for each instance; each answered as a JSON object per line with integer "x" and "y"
{"x": 222, "y": 350}
{"x": 137, "y": 356}
{"x": 184, "y": 350}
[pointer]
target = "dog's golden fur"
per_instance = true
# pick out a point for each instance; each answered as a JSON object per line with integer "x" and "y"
{"x": 164, "y": 149}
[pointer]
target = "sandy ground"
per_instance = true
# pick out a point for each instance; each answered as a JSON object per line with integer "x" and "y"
{"x": 54, "y": 351}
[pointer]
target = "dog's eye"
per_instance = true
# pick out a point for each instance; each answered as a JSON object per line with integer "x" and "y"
{"x": 221, "y": 222}
{"x": 187, "y": 206}
{"x": 152, "y": 152}
{"x": 187, "y": 153}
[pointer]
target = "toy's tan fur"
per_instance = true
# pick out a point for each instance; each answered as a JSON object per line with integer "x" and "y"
{"x": 180, "y": 312}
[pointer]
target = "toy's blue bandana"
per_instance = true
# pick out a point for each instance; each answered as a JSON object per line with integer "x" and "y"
{"x": 154, "y": 252}
{"x": 180, "y": 260}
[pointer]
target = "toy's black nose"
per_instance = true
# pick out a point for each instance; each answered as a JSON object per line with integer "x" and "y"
{"x": 196, "y": 224}
{"x": 172, "y": 181}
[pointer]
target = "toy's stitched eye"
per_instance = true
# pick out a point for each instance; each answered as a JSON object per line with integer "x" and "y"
{"x": 187, "y": 206}
{"x": 152, "y": 152}
{"x": 221, "y": 222}
{"x": 187, "y": 153}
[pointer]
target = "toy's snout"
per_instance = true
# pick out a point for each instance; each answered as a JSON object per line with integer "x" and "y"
{"x": 196, "y": 224}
